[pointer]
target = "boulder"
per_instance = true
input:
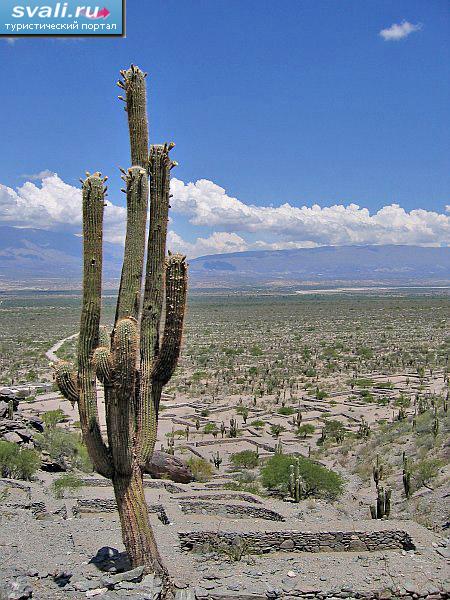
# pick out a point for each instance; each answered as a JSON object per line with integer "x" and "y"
{"x": 164, "y": 465}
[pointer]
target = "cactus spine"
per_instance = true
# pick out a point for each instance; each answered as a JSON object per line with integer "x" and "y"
{"x": 139, "y": 357}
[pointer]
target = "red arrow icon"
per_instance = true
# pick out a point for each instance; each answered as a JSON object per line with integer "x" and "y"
{"x": 102, "y": 14}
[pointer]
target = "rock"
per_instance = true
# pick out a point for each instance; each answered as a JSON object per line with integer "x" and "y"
{"x": 357, "y": 546}
{"x": 133, "y": 575}
{"x": 36, "y": 423}
{"x": 19, "y": 589}
{"x": 96, "y": 592}
{"x": 207, "y": 585}
{"x": 287, "y": 545}
{"x": 53, "y": 465}
{"x": 13, "y": 437}
{"x": 162, "y": 464}
{"x": 3, "y": 408}
{"x": 62, "y": 578}
{"x": 84, "y": 585}
{"x": 291, "y": 574}
{"x": 186, "y": 594}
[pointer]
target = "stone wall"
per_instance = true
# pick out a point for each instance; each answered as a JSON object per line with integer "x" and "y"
{"x": 238, "y": 510}
{"x": 301, "y": 541}
{"x": 108, "y": 505}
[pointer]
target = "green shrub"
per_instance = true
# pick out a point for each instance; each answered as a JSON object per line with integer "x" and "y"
{"x": 276, "y": 429}
{"x": 67, "y": 482}
{"x": 201, "y": 469}
{"x": 426, "y": 470}
{"x": 305, "y": 430}
{"x": 248, "y": 459}
{"x": 258, "y": 424}
{"x": 320, "y": 482}
{"x": 209, "y": 428}
{"x": 18, "y": 463}
{"x": 62, "y": 444}
{"x": 286, "y": 410}
{"x": 52, "y": 417}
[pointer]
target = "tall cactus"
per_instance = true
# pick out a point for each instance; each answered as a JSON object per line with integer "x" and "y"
{"x": 139, "y": 357}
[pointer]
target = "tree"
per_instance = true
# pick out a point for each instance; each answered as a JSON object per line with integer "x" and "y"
{"x": 135, "y": 361}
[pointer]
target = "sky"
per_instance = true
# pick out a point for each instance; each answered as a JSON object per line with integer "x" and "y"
{"x": 297, "y": 123}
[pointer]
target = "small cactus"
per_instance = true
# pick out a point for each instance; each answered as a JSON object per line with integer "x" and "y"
{"x": 233, "y": 428}
{"x": 406, "y": 477}
{"x": 377, "y": 472}
{"x": 297, "y": 487}
{"x": 382, "y": 508}
{"x": 217, "y": 460}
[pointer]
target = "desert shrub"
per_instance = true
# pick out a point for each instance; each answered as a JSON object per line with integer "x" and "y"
{"x": 62, "y": 444}
{"x": 402, "y": 401}
{"x": 16, "y": 462}
{"x": 201, "y": 469}
{"x": 286, "y": 410}
{"x": 424, "y": 471}
{"x": 52, "y": 417}
{"x": 305, "y": 430}
{"x": 320, "y": 482}
{"x": 65, "y": 483}
{"x": 209, "y": 428}
{"x": 248, "y": 459}
{"x": 276, "y": 429}
{"x": 257, "y": 424}
{"x": 204, "y": 412}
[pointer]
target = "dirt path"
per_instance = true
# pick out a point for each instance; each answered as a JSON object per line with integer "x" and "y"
{"x": 51, "y": 352}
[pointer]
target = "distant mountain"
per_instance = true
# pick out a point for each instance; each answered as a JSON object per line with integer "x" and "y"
{"x": 388, "y": 264}
{"x": 39, "y": 254}
{"x": 28, "y": 255}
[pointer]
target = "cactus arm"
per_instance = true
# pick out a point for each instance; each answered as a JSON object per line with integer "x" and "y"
{"x": 133, "y": 83}
{"x": 176, "y": 288}
{"x": 160, "y": 166}
{"x": 93, "y": 205}
{"x": 136, "y": 179}
{"x": 133, "y": 263}
{"x": 104, "y": 339}
{"x": 102, "y": 362}
{"x": 66, "y": 380}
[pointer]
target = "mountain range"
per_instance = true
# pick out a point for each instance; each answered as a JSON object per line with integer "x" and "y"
{"x": 29, "y": 255}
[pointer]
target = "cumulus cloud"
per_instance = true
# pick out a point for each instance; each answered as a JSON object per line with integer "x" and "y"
{"x": 231, "y": 225}
{"x": 398, "y": 31}
{"x": 207, "y": 204}
{"x": 53, "y": 205}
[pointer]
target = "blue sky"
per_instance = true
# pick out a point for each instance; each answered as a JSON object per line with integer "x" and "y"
{"x": 298, "y": 102}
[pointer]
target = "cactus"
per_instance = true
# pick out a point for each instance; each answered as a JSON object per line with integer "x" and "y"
{"x": 406, "y": 477}
{"x": 363, "y": 430}
{"x": 233, "y": 428}
{"x": 435, "y": 427}
{"x": 377, "y": 472}
{"x": 139, "y": 357}
{"x": 297, "y": 487}
{"x": 279, "y": 447}
{"x": 217, "y": 460}
{"x": 382, "y": 508}
{"x": 223, "y": 429}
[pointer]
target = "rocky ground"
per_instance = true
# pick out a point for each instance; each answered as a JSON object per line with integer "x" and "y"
{"x": 72, "y": 548}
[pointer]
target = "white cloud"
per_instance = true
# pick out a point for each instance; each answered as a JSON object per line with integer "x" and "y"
{"x": 53, "y": 205}
{"x": 207, "y": 204}
{"x": 231, "y": 225}
{"x": 398, "y": 31}
{"x": 38, "y": 176}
